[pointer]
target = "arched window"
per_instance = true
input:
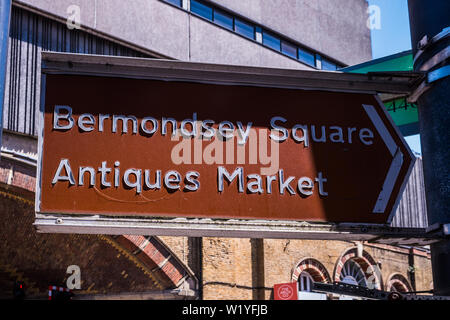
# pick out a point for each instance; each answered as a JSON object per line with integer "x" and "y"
{"x": 305, "y": 281}
{"x": 352, "y": 273}
{"x": 398, "y": 283}
{"x": 308, "y": 271}
{"x": 358, "y": 269}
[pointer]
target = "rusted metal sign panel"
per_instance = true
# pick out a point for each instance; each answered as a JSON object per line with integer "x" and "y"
{"x": 140, "y": 148}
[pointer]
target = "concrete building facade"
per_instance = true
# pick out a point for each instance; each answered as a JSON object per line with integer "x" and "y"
{"x": 176, "y": 29}
{"x": 300, "y": 34}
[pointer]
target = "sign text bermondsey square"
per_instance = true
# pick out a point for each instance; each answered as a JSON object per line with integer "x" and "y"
{"x": 135, "y": 147}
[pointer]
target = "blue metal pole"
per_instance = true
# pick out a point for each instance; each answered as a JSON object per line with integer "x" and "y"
{"x": 5, "y": 13}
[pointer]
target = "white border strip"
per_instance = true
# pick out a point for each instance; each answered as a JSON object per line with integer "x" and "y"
{"x": 396, "y": 165}
{"x": 37, "y": 198}
{"x": 389, "y": 183}
{"x": 232, "y": 228}
{"x": 381, "y": 128}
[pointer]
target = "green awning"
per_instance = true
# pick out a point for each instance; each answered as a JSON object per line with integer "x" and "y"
{"x": 404, "y": 114}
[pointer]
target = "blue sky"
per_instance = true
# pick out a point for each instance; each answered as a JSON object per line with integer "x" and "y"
{"x": 391, "y": 37}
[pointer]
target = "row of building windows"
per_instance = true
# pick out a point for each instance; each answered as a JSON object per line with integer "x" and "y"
{"x": 251, "y": 30}
{"x": 351, "y": 269}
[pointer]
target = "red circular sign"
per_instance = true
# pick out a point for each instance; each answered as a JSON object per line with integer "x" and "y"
{"x": 285, "y": 292}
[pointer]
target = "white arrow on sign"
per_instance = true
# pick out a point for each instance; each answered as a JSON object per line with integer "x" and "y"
{"x": 396, "y": 164}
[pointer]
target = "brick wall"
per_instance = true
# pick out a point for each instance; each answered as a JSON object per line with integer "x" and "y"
{"x": 227, "y": 268}
{"x": 228, "y": 264}
{"x": 108, "y": 264}
{"x": 41, "y": 260}
{"x": 395, "y": 260}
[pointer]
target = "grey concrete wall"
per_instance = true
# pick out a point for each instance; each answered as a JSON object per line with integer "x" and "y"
{"x": 337, "y": 30}
{"x": 59, "y": 8}
{"x": 334, "y": 27}
{"x": 147, "y": 23}
{"x": 150, "y": 24}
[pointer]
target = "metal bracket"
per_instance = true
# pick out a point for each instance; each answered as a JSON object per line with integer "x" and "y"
{"x": 370, "y": 294}
{"x": 349, "y": 290}
{"x": 439, "y": 229}
{"x": 424, "y": 43}
{"x": 421, "y": 89}
{"x": 434, "y": 61}
{"x": 432, "y": 76}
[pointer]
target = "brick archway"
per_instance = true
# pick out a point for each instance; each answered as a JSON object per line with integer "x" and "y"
{"x": 314, "y": 268}
{"x": 368, "y": 266}
{"x": 397, "y": 282}
{"x": 150, "y": 254}
{"x": 156, "y": 258}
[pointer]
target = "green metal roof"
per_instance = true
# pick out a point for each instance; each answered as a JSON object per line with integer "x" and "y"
{"x": 402, "y": 61}
{"x": 404, "y": 114}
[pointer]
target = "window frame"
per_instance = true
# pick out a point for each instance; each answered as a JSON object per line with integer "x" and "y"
{"x": 225, "y": 14}
{"x": 305, "y": 279}
{"x": 329, "y": 63}
{"x": 273, "y": 36}
{"x": 313, "y": 56}
{"x": 244, "y": 22}
{"x": 290, "y": 44}
{"x": 202, "y": 4}
{"x": 172, "y": 2}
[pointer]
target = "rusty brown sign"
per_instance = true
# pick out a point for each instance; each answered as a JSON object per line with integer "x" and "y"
{"x": 124, "y": 147}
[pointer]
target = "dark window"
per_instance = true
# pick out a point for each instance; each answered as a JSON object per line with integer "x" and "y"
{"x": 244, "y": 28}
{"x": 306, "y": 57}
{"x": 289, "y": 49}
{"x": 223, "y": 19}
{"x": 201, "y": 9}
{"x": 328, "y": 65}
{"x": 175, "y": 2}
{"x": 271, "y": 41}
